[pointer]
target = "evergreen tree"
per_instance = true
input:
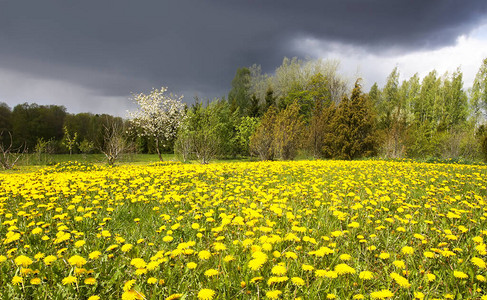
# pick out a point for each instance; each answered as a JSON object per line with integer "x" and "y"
{"x": 270, "y": 100}
{"x": 239, "y": 95}
{"x": 254, "y": 107}
{"x": 354, "y": 127}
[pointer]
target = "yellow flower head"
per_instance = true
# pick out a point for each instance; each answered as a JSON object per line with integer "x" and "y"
{"x": 23, "y": 261}
{"x": 69, "y": 280}
{"x": 274, "y": 294}
{"x": 206, "y": 294}
{"x": 77, "y": 260}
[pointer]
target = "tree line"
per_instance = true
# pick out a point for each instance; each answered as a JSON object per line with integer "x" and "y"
{"x": 302, "y": 107}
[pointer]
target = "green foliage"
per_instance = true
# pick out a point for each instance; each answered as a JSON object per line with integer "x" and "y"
{"x": 288, "y": 132}
{"x": 70, "y": 141}
{"x": 483, "y": 145}
{"x": 254, "y": 109}
{"x": 31, "y": 122}
{"x": 86, "y": 147}
{"x": 245, "y": 129}
{"x": 319, "y": 130}
{"x": 208, "y": 132}
{"x": 261, "y": 142}
{"x": 270, "y": 100}
{"x": 354, "y": 127}
{"x": 303, "y": 100}
{"x": 5, "y": 122}
{"x": 239, "y": 95}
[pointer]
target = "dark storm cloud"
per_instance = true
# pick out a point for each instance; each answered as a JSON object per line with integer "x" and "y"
{"x": 117, "y": 47}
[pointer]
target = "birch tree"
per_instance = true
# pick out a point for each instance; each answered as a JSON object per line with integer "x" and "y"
{"x": 159, "y": 116}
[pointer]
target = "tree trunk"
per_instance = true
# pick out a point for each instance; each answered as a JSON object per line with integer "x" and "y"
{"x": 157, "y": 149}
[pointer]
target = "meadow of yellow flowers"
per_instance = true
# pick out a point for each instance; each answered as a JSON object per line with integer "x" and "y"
{"x": 263, "y": 230}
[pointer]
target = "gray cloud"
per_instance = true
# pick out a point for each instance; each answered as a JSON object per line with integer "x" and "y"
{"x": 116, "y": 47}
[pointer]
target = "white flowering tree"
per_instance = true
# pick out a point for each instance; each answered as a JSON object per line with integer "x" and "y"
{"x": 159, "y": 116}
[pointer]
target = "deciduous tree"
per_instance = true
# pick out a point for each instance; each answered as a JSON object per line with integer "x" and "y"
{"x": 159, "y": 116}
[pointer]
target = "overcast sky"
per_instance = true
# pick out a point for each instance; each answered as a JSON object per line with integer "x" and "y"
{"x": 91, "y": 55}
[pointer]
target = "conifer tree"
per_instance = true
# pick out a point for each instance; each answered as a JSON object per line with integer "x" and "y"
{"x": 270, "y": 100}
{"x": 354, "y": 127}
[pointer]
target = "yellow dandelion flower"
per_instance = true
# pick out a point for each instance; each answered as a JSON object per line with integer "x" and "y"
{"x": 168, "y": 239}
{"x": 290, "y": 254}
{"x": 129, "y": 285}
{"x": 127, "y": 247}
{"x": 401, "y": 281}
{"x": 211, "y": 272}
{"x": 152, "y": 280}
{"x": 256, "y": 279}
{"x": 399, "y": 264}
{"x": 297, "y": 281}
{"x": 366, "y": 275}
{"x": 36, "y": 230}
{"x": 140, "y": 271}
{"x": 228, "y": 258}
{"x": 383, "y": 294}
{"x": 407, "y": 250}
{"x": 219, "y": 246}
{"x": 94, "y": 255}
{"x": 274, "y": 294}
{"x": 132, "y": 295}
{"x": 204, "y": 255}
{"x": 460, "y": 274}
{"x": 206, "y": 294}
{"x": 276, "y": 279}
{"x": 279, "y": 270}
{"x": 111, "y": 247}
{"x": 94, "y": 297}
{"x": 48, "y": 260}
{"x": 16, "y": 280}
{"x": 23, "y": 260}
{"x": 255, "y": 264}
{"x": 478, "y": 262}
{"x": 343, "y": 269}
{"x": 39, "y": 256}
{"x": 77, "y": 260}
{"x": 90, "y": 281}
{"x": 174, "y": 297}
{"x": 80, "y": 243}
{"x": 69, "y": 280}
{"x": 138, "y": 263}
{"x": 430, "y": 277}
{"x": 106, "y": 233}
{"x": 384, "y": 255}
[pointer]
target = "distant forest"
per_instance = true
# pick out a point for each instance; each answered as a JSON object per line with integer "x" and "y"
{"x": 302, "y": 107}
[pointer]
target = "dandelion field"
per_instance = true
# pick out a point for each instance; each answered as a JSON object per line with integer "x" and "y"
{"x": 264, "y": 230}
